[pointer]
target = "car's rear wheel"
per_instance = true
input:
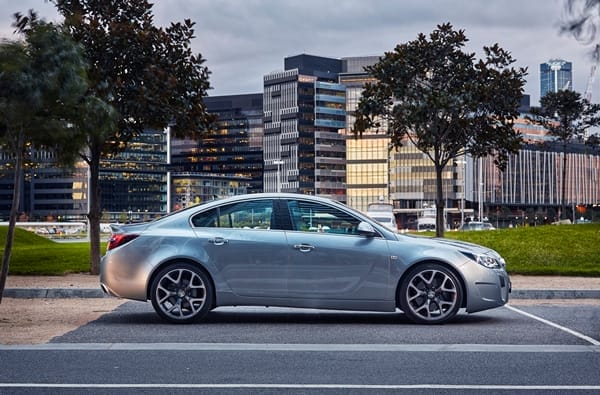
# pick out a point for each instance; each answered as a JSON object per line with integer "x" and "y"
{"x": 181, "y": 293}
{"x": 430, "y": 294}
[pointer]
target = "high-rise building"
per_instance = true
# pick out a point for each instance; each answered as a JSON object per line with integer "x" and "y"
{"x": 367, "y": 156}
{"x": 555, "y": 75}
{"x": 48, "y": 192}
{"x": 233, "y": 148}
{"x": 304, "y": 120}
{"x": 227, "y": 160}
{"x": 133, "y": 182}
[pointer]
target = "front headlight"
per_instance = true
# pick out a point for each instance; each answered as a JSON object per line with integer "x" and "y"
{"x": 485, "y": 260}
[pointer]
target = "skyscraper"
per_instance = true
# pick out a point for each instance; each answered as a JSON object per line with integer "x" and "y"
{"x": 555, "y": 75}
{"x": 304, "y": 112}
{"x": 367, "y": 157}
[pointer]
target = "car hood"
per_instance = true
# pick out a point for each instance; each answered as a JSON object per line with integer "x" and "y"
{"x": 457, "y": 244}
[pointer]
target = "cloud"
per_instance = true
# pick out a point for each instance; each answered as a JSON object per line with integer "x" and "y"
{"x": 242, "y": 40}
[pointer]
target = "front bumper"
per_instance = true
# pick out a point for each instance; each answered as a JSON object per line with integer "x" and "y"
{"x": 491, "y": 289}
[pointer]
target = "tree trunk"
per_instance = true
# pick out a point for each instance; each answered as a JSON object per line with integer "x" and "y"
{"x": 439, "y": 202}
{"x": 10, "y": 234}
{"x": 563, "y": 199}
{"x": 95, "y": 208}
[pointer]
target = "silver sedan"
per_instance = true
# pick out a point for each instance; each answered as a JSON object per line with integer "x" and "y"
{"x": 300, "y": 251}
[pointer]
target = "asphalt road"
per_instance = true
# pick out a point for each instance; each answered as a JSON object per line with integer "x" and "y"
{"x": 524, "y": 349}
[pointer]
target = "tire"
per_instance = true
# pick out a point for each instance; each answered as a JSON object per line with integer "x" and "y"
{"x": 181, "y": 293}
{"x": 430, "y": 294}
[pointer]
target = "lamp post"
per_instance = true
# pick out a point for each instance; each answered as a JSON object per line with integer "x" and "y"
{"x": 464, "y": 191}
{"x": 278, "y": 162}
{"x": 480, "y": 194}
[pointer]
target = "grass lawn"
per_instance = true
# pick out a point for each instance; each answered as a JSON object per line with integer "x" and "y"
{"x": 568, "y": 250}
{"x": 33, "y": 254}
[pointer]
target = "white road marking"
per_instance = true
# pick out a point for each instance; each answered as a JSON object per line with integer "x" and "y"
{"x": 307, "y": 386}
{"x": 562, "y": 328}
{"x": 491, "y": 348}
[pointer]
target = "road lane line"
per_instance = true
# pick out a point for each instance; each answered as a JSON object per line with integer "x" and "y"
{"x": 562, "y": 328}
{"x": 303, "y": 347}
{"x": 307, "y": 386}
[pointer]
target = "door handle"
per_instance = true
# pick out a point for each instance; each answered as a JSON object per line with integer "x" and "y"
{"x": 218, "y": 241}
{"x": 304, "y": 247}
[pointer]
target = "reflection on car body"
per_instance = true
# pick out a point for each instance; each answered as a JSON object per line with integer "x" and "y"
{"x": 293, "y": 250}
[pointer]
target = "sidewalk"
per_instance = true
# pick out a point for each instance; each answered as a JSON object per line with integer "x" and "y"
{"x": 87, "y": 286}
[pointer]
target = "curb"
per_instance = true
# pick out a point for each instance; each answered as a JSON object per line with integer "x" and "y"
{"x": 554, "y": 294}
{"x": 61, "y": 293}
{"x": 32, "y": 293}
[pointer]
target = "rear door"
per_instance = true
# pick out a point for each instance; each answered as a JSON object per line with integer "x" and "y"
{"x": 241, "y": 245}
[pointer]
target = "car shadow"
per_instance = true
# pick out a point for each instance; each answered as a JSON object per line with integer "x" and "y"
{"x": 130, "y": 313}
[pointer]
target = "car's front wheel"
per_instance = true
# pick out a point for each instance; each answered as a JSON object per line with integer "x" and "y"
{"x": 181, "y": 293}
{"x": 430, "y": 294}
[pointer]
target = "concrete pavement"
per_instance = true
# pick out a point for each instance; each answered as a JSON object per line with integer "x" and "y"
{"x": 87, "y": 286}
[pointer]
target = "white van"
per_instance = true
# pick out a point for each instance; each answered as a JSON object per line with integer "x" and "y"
{"x": 384, "y": 214}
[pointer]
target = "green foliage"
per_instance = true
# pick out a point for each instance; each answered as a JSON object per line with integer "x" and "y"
{"x": 33, "y": 254}
{"x": 142, "y": 76}
{"x": 440, "y": 98}
{"x": 42, "y": 80}
{"x": 147, "y": 73}
{"x": 566, "y": 115}
{"x": 569, "y": 250}
{"x": 433, "y": 94}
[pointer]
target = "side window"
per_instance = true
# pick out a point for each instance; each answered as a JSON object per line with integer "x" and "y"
{"x": 255, "y": 214}
{"x": 317, "y": 217}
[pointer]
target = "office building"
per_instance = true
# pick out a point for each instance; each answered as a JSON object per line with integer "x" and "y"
{"x": 133, "y": 182}
{"x": 304, "y": 120}
{"x": 367, "y": 156}
{"x": 227, "y": 160}
{"x": 555, "y": 75}
{"x": 48, "y": 192}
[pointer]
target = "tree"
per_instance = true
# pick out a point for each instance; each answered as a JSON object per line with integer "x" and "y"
{"x": 42, "y": 80}
{"x": 431, "y": 93}
{"x": 583, "y": 22}
{"x": 148, "y": 74}
{"x": 566, "y": 115}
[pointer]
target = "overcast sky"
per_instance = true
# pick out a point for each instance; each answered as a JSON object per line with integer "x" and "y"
{"x": 242, "y": 40}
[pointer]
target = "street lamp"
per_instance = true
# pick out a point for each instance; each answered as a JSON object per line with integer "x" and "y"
{"x": 464, "y": 190}
{"x": 480, "y": 197}
{"x": 278, "y": 162}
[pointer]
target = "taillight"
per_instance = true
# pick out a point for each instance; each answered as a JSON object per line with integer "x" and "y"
{"x": 119, "y": 239}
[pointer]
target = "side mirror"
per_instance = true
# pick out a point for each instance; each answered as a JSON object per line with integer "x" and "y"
{"x": 366, "y": 229}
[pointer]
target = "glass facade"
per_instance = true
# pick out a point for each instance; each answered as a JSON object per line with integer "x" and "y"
{"x": 304, "y": 111}
{"x": 48, "y": 192}
{"x": 367, "y": 157}
{"x": 234, "y": 148}
{"x": 226, "y": 161}
{"x": 135, "y": 181}
{"x": 189, "y": 189}
{"x": 555, "y": 75}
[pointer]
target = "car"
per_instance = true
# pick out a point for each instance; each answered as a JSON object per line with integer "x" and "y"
{"x": 300, "y": 251}
{"x": 477, "y": 225}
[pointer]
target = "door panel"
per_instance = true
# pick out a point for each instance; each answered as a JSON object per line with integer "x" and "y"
{"x": 330, "y": 260}
{"x": 239, "y": 242}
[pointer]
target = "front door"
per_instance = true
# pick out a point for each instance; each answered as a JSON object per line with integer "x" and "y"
{"x": 330, "y": 260}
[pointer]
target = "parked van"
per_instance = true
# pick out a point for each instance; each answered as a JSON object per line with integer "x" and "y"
{"x": 384, "y": 214}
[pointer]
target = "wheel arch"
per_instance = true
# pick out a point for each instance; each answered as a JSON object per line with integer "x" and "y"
{"x": 173, "y": 261}
{"x": 437, "y": 262}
